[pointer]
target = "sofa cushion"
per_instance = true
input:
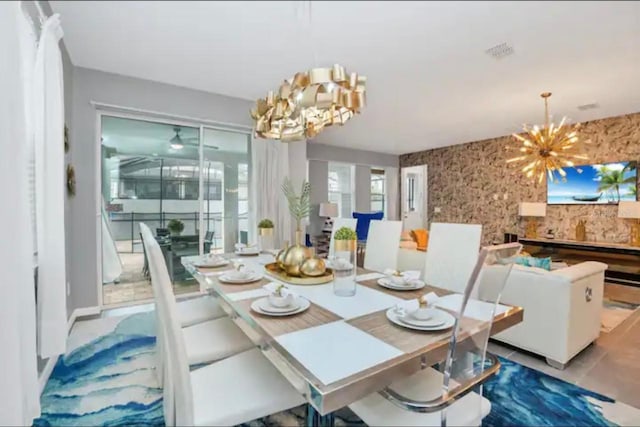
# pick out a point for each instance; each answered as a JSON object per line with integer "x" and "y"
{"x": 529, "y": 261}
{"x": 421, "y": 236}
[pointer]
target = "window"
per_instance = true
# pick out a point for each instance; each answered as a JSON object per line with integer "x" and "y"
{"x": 341, "y": 188}
{"x": 378, "y": 187}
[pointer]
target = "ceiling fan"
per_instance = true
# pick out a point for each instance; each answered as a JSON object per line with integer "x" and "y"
{"x": 178, "y": 142}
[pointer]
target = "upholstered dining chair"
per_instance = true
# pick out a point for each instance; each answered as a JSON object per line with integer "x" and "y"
{"x": 383, "y": 244}
{"x": 338, "y": 223}
{"x": 206, "y": 341}
{"x": 232, "y": 391}
{"x": 446, "y": 396}
{"x": 452, "y": 254}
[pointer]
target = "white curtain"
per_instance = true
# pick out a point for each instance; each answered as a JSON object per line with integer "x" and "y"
{"x": 111, "y": 264}
{"x": 392, "y": 190}
{"x": 19, "y": 391}
{"x": 269, "y": 167}
{"x": 48, "y": 123}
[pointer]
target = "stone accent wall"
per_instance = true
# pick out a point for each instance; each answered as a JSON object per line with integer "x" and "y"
{"x": 472, "y": 183}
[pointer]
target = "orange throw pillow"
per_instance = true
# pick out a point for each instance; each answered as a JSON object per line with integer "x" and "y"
{"x": 421, "y": 236}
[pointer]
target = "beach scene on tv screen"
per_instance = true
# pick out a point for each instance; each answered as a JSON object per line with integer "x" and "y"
{"x": 607, "y": 183}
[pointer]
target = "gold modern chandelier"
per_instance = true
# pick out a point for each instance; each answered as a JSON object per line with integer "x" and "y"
{"x": 308, "y": 103}
{"x": 546, "y": 151}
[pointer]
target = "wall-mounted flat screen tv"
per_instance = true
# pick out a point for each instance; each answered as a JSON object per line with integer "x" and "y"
{"x": 602, "y": 184}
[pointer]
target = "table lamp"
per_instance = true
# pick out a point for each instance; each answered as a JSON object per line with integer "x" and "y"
{"x": 631, "y": 210}
{"x": 329, "y": 211}
{"x": 531, "y": 211}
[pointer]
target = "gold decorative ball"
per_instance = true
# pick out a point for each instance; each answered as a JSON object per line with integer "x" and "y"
{"x": 293, "y": 259}
{"x": 313, "y": 267}
{"x": 280, "y": 257}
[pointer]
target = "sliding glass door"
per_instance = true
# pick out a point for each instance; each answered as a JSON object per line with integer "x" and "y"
{"x": 189, "y": 184}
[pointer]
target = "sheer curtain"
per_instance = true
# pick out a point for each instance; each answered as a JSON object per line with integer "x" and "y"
{"x": 19, "y": 391}
{"x": 269, "y": 167}
{"x": 48, "y": 111}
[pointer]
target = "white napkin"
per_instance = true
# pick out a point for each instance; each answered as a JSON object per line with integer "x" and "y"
{"x": 410, "y": 277}
{"x": 240, "y": 274}
{"x": 273, "y": 286}
{"x": 240, "y": 246}
{"x": 214, "y": 258}
{"x": 369, "y": 276}
{"x": 412, "y": 305}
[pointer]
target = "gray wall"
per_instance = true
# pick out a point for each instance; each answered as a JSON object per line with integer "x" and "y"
{"x": 363, "y": 188}
{"x": 318, "y": 176}
{"x": 333, "y": 153}
{"x": 319, "y": 156}
{"x": 90, "y": 85}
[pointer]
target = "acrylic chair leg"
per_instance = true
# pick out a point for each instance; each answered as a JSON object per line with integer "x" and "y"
{"x": 314, "y": 419}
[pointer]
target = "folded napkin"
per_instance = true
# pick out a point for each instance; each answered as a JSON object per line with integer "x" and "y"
{"x": 273, "y": 286}
{"x": 412, "y": 305}
{"x": 213, "y": 258}
{"x": 240, "y": 273}
{"x": 369, "y": 276}
{"x": 407, "y": 275}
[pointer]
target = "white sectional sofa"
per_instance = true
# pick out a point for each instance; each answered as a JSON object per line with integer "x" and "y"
{"x": 411, "y": 259}
{"x": 562, "y": 309}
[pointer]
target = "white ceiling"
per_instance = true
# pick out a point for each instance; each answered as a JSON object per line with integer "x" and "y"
{"x": 430, "y": 82}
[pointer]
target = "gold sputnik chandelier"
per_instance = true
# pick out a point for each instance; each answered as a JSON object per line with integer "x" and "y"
{"x": 546, "y": 151}
{"x": 309, "y": 102}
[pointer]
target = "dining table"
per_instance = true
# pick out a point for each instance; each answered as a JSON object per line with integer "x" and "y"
{"x": 341, "y": 348}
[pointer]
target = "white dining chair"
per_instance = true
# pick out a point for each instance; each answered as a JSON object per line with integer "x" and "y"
{"x": 444, "y": 397}
{"x": 451, "y": 255}
{"x": 207, "y": 341}
{"x": 232, "y": 391}
{"x": 338, "y": 223}
{"x": 383, "y": 244}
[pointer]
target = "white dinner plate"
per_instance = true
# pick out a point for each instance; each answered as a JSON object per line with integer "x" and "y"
{"x": 226, "y": 279}
{"x": 446, "y": 321}
{"x": 248, "y": 253}
{"x": 263, "y": 306}
{"x": 209, "y": 264}
{"x": 415, "y": 285}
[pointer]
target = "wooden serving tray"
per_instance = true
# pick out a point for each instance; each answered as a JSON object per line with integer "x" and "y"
{"x": 273, "y": 270}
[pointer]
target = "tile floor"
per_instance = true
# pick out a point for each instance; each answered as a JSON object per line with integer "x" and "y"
{"x": 610, "y": 366}
{"x": 133, "y": 286}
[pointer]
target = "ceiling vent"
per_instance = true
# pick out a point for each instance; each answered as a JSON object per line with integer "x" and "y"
{"x": 500, "y": 51}
{"x": 591, "y": 106}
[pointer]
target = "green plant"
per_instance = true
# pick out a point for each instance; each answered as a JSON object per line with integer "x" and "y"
{"x": 299, "y": 206}
{"x": 612, "y": 179}
{"x": 345, "y": 233}
{"x": 175, "y": 226}
{"x": 265, "y": 223}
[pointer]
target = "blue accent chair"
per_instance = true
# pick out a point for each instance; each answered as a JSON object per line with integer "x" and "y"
{"x": 364, "y": 219}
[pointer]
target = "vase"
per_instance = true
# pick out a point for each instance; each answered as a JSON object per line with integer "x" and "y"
{"x": 344, "y": 266}
{"x": 295, "y": 256}
{"x": 265, "y": 237}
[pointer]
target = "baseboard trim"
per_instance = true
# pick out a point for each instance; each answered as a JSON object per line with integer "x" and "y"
{"x": 81, "y": 312}
{"x": 46, "y": 372}
{"x": 51, "y": 362}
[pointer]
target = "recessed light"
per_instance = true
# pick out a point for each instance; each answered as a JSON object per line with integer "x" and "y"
{"x": 499, "y": 51}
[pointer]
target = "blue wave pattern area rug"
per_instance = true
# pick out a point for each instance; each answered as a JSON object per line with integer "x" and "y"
{"x": 107, "y": 379}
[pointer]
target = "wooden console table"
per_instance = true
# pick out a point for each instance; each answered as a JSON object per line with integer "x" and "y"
{"x": 623, "y": 260}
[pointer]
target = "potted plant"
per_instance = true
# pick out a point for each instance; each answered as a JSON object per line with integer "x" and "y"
{"x": 265, "y": 234}
{"x": 299, "y": 208}
{"x": 175, "y": 227}
{"x": 345, "y": 242}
